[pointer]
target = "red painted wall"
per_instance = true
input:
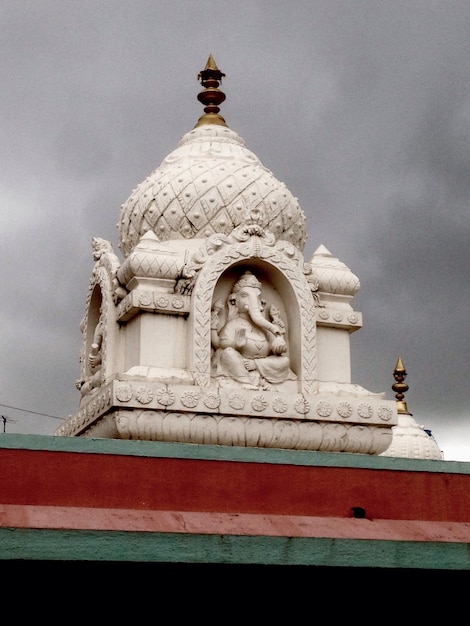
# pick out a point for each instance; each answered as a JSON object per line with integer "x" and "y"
{"x": 39, "y": 477}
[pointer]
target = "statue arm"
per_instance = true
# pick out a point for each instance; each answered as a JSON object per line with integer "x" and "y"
{"x": 232, "y": 336}
{"x": 216, "y": 323}
{"x": 94, "y": 358}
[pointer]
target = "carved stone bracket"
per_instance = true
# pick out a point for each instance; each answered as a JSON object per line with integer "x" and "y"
{"x": 154, "y": 301}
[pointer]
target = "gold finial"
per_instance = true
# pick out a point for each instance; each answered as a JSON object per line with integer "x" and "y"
{"x": 211, "y": 96}
{"x": 400, "y": 387}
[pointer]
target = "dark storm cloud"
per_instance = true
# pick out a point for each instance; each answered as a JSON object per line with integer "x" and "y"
{"x": 361, "y": 108}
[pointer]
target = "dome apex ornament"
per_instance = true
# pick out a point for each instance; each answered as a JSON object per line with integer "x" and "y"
{"x": 211, "y": 96}
{"x": 400, "y": 387}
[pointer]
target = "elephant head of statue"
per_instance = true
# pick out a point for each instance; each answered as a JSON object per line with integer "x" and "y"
{"x": 247, "y": 299}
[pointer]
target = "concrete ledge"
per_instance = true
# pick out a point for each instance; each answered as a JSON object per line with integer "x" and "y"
{"x": 95, "y": 546}
{"x": 203, "y": 523}
{"x": 157, "y": 449}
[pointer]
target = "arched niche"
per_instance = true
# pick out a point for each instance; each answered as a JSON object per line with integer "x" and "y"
{"x": 95, "y": 324}
{"x": 284, "y": 285}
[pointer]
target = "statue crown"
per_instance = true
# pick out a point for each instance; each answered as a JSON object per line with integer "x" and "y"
{"x": 247, "y": 280}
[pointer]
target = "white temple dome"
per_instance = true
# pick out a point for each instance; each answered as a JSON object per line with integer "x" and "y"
{"x": 210, "y": 184}
{"x": 411, "y": 440}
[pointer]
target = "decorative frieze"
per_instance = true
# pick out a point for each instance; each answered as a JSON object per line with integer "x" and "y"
{"x": 251, "y": 432}
{"x": 339, "y": 318}
{"x": 137, "y": 396}
{"x": 152, "y": 301}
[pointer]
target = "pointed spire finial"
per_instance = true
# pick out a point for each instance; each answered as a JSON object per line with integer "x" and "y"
{"x": 211, "y": 96}
{"x": 400, "y": 387}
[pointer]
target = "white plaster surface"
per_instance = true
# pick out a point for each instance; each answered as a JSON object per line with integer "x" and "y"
{"x": 208, "y": 215}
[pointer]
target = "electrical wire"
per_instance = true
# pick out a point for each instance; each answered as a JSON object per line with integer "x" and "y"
{"x": 33, "y": 412}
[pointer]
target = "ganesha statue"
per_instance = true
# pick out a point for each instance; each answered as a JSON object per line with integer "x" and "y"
{"x": 248, "y": 349}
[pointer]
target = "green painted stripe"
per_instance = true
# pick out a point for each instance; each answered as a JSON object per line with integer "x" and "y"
{"x": 159, "y": 449}
{"x": 60, "y": 545}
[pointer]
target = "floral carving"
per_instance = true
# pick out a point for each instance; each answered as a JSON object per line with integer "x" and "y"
{"x": 145, "y": 298}
{"x": 144, "y": 395}
{"x": 301, "y": 406}
{"x": 178, "y": 303}
{"x": 279, "y": 405}
{"x": 236, "y": 401}
{"x": 258, "y": 403}
{"x": 190, "y": 399}
{"x": 365, "y": 410}
{"x": 166, "y": 397}
{"x": 124, "y": 393}
{"x": 324, "y": 409}
{"x": 344, "y": 410}
{"x": 162, "y": 302}
{"x": 212, "y": 400}
{"x": 384, "y": 413}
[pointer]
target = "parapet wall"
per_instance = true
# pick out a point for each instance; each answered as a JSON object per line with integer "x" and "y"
{"x": 214, "y": 504}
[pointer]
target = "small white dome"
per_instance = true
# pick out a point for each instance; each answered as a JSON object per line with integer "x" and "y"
{"x": 410, "y": 440}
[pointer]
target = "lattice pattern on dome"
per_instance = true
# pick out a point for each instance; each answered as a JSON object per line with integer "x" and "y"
{"x": 210, "y": 184}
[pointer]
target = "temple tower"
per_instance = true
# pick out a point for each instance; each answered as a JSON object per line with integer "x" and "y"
{"x": 212, "y": 328}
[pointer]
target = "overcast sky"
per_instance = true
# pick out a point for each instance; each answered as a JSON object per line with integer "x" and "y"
{"x": 362, "y": 108}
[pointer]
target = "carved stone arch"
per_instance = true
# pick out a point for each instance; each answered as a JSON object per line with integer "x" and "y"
{"x": 98, "y": 306}
{"x": 286, "y": 277}
{"x": 93, "y": 319}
